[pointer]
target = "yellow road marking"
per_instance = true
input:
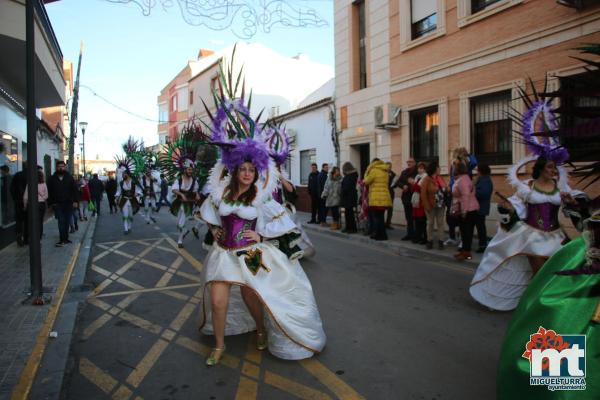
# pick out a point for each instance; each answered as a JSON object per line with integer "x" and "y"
{"x": 128, "y": 241}
{"x": 147, "y": 290}
{"x": 251, "y": 370}
{"x": 167, "y": 249}
{"x": 141, "y": 322}
{"x": 247, "y": 389}
{"x": 94, "y": 326}
{"x": 123, "y": 393}
{"x": 128, "y": 283}
{"x": 166, "y": 278}
{"x": 100, "y": 304}
{"x": 189, "y": 258}
{"x": 294, "y": 388}
{"x": 123, "y": 304}
{"x": 144, "y": 366}
{"x": 101, "y": 270}
{"x": 341, "y": 389}
{"x": 105, "y": 382}
{"x": 183, "y": 316}
{"x": 193, "y": 345}
{"x": 253, "y": 354}
{"x": 23, "y": 387}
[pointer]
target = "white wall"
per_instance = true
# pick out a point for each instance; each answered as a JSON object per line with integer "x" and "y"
{"x": 49, "y": 147}
{"x": 313, "y": 132}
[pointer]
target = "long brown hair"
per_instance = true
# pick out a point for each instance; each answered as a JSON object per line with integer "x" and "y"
{"x": 231, "y": 190}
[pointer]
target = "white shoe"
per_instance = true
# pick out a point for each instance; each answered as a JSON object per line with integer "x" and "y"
{"x": 450, "y": 242}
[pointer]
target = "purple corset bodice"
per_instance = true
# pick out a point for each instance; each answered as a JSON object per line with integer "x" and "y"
{"x": 543, "y": 216}
{"x": 233, "y": 226}
{"x": 277, "y": 196}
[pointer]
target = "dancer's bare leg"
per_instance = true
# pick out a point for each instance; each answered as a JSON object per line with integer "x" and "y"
{"x": 255, "y": 307}
{"x": 219, "y": 297}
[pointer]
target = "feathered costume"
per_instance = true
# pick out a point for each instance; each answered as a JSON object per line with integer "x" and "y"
{"x": 565, "y": 295}
{"x": 180, "y": 155}
{"x": 129, "y": 192}
{"x": 295, "y": 244}
{"x": 150, "y": 185}
{"x": 292, "y": 318}
{"x": 505, "y": 271}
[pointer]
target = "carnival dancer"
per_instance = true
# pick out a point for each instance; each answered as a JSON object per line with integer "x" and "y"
{"x": 564, "y": 297}
{"x": 150, "y": 188}
{"x": 179, "y": 164}
{"x": 129, "y": 195}
{"x": 245, "y": 274}
{"x": 519, "y": 249}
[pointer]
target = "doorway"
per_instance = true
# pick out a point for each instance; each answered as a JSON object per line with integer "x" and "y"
{"x": 360, "y": 156}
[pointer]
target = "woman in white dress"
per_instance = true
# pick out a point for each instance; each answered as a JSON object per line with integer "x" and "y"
{"x": 249, "y": 283}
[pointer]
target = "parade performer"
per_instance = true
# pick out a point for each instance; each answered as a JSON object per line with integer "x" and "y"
{"x": 150, "y": 186}
{"x": 564, "y": 297}
{"x": 295, "y": 244}
{"x": 519, "y": 249}
{"x": 129, "y": 192}
{"x": 188, "y": 174}
{"x": 245, "y": 274}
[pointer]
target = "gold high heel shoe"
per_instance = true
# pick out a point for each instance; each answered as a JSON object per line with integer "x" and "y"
{"x": 261, "y": 341}
{"x": 215, "y": 356}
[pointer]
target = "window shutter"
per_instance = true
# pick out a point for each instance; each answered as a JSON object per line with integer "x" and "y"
{"x": 421, "y": 9}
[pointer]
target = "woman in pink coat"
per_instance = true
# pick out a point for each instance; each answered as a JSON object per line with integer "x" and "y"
{"x": 465, "y": 207}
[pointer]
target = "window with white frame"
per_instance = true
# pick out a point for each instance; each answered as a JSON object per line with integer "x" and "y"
{"x": 423, "y": 17}
{"x": 479, "y": 5}
{"x": 469, "y": 11}
{"x": 307, "y": 158}
{"x": 491, "y": 128}
{"x": 424, "y": 134}
{"x": 174, "y": 103}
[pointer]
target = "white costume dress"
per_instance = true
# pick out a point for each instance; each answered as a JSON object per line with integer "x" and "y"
{"x": 292, "y": 318}
{"x": 150, "y": 189}
{"x": 184, "y": 211}
{"x": 128, "y": 192}
{"x": 505, "y": 272}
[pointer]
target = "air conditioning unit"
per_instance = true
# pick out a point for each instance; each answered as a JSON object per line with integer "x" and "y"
{"x": 387, "y": 116}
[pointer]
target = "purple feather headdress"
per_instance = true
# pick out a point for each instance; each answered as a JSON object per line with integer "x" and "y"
{"x": 539, "y": 118}
{"x": 246, "y": 150}
{"x": 279, "y": 144}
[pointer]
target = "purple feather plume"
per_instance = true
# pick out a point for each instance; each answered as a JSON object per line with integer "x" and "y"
{"x": 246, "y": 150}
{"x": 540, "y": 118}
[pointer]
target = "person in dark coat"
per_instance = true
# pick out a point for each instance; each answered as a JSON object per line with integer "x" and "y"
{"x": 404, "y": 183}
{"x": 313, "y": 191}
{"x": 164, "y": 191}
{"x": 17, "y": 188}
{"x": 96, "y": 190}
{"x": 323, "y": 201}
{"x": 111, "y": 192}
{"x": 390, "y": 211}
{"x": 484, "y": 187}
{"x": 62, "y": 196}
{"x": 349, "y": 196}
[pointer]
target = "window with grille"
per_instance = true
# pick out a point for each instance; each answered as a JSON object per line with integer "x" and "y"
{"x": 424, "y": 127}
{"x": 423, "y": 17}
{"x": 491, "y": 128}
{"x": 478, "y": 5}
{"x": 576, "y": 108}
{"x": 307, "y": 158}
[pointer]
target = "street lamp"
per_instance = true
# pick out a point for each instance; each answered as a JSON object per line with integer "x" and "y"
{"x": 83, "y": 126}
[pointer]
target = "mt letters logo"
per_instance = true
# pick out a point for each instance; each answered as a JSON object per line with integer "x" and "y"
{"x": 556, "y": 361}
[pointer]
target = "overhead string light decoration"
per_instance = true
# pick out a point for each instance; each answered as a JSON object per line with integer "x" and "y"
{"x": 243, "y": 17}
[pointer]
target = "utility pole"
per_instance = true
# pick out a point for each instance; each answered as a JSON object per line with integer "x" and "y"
{"x": 74, "y": 115}
{"x": 33, "y": 212}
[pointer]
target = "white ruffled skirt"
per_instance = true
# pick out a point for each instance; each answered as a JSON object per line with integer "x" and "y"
{"x": 292, "y": 319}
{"x": 504, "y": 272}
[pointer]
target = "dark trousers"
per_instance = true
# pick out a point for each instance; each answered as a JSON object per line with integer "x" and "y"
{"x": 21, "y": 228}
{"x": 314, "y": 208}
{"x": 389, "y": 214}
{"x": 350, "y": 219}
{"x": 410, "y": 223}
{"x": 453, "y": 223}
{"x": 467, "y": 225}
{"x": 112, "y": 204}
{"x": 481, "y": 230}
{"x": 64, "y": 214}
{"x": 163, "y": 200}
{"x": 322, "y": 211}
{"x": 96, "y": 201}
{"x": 335, "y": 213}
{"x": 420, "y": 229}
{"x": 379, "y": 232}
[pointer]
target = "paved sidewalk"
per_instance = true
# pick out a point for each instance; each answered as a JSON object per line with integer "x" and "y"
{"x": 21, "y": 321}
{"x": 395, "y": 243}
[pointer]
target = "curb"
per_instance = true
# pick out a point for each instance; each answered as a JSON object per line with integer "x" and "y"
{"x": 402, "y": 249}
{"x": 48, "y": 381}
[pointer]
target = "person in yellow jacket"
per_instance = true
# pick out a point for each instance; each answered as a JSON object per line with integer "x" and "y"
{"x": 377, "y": 180}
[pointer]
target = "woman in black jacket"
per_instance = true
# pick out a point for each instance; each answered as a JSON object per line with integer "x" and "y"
{"x": 349, "y": 196}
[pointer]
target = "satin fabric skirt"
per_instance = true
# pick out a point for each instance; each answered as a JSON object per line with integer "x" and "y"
{"x": 505, "y": 271}
{"x": 292, "y": 319}
{"x": 564, "y": 304}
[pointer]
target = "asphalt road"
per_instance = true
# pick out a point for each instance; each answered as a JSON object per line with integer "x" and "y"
{"x": 398, "y": 327}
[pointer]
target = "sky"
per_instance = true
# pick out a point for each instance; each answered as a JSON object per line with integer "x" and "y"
{"x": 129, "y": 57}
